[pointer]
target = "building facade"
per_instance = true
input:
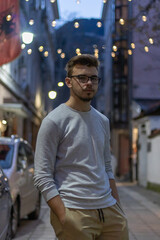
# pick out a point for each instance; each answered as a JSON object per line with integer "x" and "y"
{"x": 25, "y": 82}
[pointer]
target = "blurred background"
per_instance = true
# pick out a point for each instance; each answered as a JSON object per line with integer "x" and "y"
{"x": 38, "y": 37}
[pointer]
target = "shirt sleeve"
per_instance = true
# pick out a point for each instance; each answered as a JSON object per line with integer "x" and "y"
{"x": 107, "y": 153}
{"x": 45, "y": 157}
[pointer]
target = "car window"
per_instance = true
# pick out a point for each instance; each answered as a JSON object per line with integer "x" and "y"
{"x": 21, "y": 158}
{"x": 6, "y": 155}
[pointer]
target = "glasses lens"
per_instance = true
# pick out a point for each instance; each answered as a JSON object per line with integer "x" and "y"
{"x": 95, "y": 79}
{"x": 82, "y": 78}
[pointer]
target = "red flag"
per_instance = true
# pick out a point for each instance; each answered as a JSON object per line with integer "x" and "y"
{"x": 10, "y": 44}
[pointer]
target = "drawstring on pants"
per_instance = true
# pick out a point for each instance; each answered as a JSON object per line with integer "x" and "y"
{"x": 101, "y": 215}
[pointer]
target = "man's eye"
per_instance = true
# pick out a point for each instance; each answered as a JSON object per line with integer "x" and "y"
{"x": 82, "y": 77}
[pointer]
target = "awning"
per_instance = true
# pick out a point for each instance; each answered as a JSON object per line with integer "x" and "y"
{"x": 16, "y": 108}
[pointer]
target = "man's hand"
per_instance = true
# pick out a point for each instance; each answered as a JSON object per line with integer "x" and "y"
{"x": 57, "y": 206}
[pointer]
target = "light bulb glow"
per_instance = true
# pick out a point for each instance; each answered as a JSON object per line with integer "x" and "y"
{"x": 151, "y": 40}
{"x": 52, "y": 94}
{"x": 113, "y": 54}
{"x": 129, "y": 52}
{"x": 4, "y": 122}
{"x": 41, "y": 48}
{"x": 146, "y": 49}
{"x": 23, "y": 46}
{"x": 53, "y": 23}
{"x": 46, "y": 53}
{"x": 59, "y": 51}
{"x": 121, "y": 21}
{"x": 99, "y": 24}
{"x": 133, "y": 45}
{"x": 76, "y": 24}
{"x": 27, "y": 37}
{"x": 144, "y": 18}
{"x": 29, "y": 51}
{"x": 60, "y": 84}
{"x": 8, "y": 18}
{"x": 114, "y": 48}
{"x": 63, "y": 55}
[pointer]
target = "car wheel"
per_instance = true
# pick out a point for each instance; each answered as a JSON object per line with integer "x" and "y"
{"x": 15, "y": 218}
{"x": 35, "y": 214}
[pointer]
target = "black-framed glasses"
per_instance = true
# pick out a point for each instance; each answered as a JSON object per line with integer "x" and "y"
{"x": 85, "y": 79}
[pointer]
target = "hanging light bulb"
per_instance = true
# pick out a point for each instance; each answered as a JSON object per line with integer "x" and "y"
{"x": 23, "y": 46}
{"x": 8, "y": 18}
{"x": 133, "y": 46}
{"x": 144, "y": 18}
{"x": 76, "y": 24}
{"x": 113, "y": 54}
{"x": 146, "y": 49}
{"x": 104, "y": 1}
{"x": 60, "y": 84}
{"x": 52, "y": 94}
{"x": 40, "y": 48}
{"x": 52, "y": 1}
{"x": 46, "y": 53}
{"x": 31, "y": 22}
{"x": 129, "y": 52}
{"x": 59, "y": 51}
{"x": 78, "y": 1}
{"x": 63, "y": 55}
{"x": 121, "y": 21}
{"x": 78, "y": 50}
{"x": 99, "y": 24}
{"x": 114, "y": 48}
{"x": 53, "y": 23}
{"x": 151, "y": 40}
{"x": 29, "y": 51}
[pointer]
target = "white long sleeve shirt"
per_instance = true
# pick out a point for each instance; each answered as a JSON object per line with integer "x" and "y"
{"x": 73, "y": 159}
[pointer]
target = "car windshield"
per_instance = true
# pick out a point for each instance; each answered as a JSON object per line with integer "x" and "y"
{"x": 6, "y": 153}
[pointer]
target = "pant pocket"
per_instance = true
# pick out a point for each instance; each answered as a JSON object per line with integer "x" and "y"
{"x": 118, "y": 205}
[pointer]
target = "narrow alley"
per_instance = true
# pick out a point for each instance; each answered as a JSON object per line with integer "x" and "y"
{"x": 142, "y": 208}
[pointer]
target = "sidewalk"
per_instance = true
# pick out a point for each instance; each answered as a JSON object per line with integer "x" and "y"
{"x": 142, "y": 208}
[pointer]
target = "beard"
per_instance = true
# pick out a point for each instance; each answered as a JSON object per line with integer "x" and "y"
{"x": 84, "y": 99}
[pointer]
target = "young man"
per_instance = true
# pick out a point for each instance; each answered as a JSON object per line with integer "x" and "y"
{"x": 73, "y": 162}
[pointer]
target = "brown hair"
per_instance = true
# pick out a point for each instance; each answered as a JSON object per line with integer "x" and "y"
{"x": 84, "y": 59}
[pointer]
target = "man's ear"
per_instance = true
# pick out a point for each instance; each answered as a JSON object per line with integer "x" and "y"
{"x": 68, "y": 82}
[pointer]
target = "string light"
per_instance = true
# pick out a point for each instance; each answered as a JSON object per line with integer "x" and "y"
{"x": 31, "y": 22}
{"x": 76, "y": 25}
{"x": 60, "y": 84}
{"x": 29, "y": 51}
{"x": 53, "y": 23}
{"x": 63, "y": 55}
{"x": 99, "y": 24}
{"x": 104, "y": 1}
{"x": 52, "y": 94}
{"x": 78, "y": 50}
{"x": 144, "y": 18}
{"x": 129, "y": 52}
{"x": 121, "y": 21}
{"x": 113, "y": 54}
{"x": 151, "y": 40}
{"x": 46, "y": 53}
{"x": 146, "y": 49}
{"x": 59, "y": 51}
{"x": 133, "y": 46}
{"x": 27, "y": 0}
{"x": 41, "y": 48}
{"x": 4, "y": 122}
{"x": 23, "y": 46}
{"x": 9, "y": 17}
{"x": 114, "y": 48}
{"x": 78, "y": 2}
{"x": 52, "y": 1}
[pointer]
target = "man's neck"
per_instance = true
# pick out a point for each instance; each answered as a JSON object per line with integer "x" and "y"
{"x": 79, "y": 105}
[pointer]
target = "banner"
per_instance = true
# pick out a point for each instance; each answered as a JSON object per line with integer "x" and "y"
{"x": 10, "y": 43}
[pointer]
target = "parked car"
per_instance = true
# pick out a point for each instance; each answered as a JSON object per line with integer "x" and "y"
{"x": 5, "y": 208}
{"x": 17, "y": 161}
